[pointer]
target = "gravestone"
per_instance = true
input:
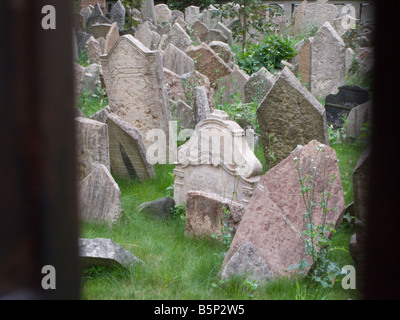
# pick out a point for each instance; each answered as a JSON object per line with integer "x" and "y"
{"x": 208, "y": 18}
{"x": 118, "y": 13}
{"x": 82, "y": 38}
{"x": 160, "y": 208}
{"x": 97, "y": 17}
{"x": 192, "y": 80}
{"x": 94, "y": 3}
{"x": 135, "y": 85}
{"x": 258, "y": 85}
{"x": 93, "y": 50}
{"x": 215, "y": 35}
{"x": 173, "y": 86}
{"x": 247, "y": 262}
{"x": 292, "y": 114}
{"x": 223, "y": 50}
{"x": 274, "y": 223}
{"x": 100, "y": 30}
{"x": 100, "y": 197}
{"x": 86, "y": 12}
{"x": 340, "y": 104}
{"x": 183, "y": 113}
{"x": 232, "y": 85}
{"x": 205, "y": 213}
{"x": 177, "y": 61}
{"x": 201, "y": 106}
{"x": 163, "y": 14}
{"x": 192, "y": 14}
{"x": 177, "y": 36}
{"x": 101, "y": 115}
{"x": 217, "y": 159}
{"x": 144, "y": 34}
{"x": 357, "y": 118}
{"x": 304, "y": 62}
{"x": 104, "y": 252}
{"x": 328, "y": 62}
{"x": 148, "y": 13}
{"x": 200, "y": 30}
{"x": 181, "y": 22}
{"x": 79, "y": 71}
{"x": 208, "y": 62}
{"x": 227, "y": 33}
{"x": 127, "y": 152}
{"x": 92, "y": 146}
{"x": 111, "y": 38}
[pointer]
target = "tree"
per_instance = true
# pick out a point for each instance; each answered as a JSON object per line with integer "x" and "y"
{"x": 248, "y": 17}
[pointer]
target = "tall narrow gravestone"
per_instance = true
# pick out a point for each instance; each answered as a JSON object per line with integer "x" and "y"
{"x": 134, "y": 80}
{"x": 217, "y": 159}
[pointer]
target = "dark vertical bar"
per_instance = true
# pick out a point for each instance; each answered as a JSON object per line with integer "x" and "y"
{"x": 38, "y": 219}
{"x": 383, "y": 243}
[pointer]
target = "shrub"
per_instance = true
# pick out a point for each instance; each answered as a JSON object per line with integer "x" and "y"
{"x": 268, "y": 54}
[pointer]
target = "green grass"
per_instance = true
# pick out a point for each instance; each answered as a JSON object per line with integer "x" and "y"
{"x": 180, "y": 267}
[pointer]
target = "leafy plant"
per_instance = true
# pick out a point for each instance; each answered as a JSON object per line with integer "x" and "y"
{"x": 271, "y": 158}
{"x": 179, "y": 211}
{"x": 182, "y": 4}
{"x": 226, "y": 229}
{"x": 90, "y": 103}
{"x": 268, "y": 54}
{"x": 248, "y": 17}
{"x": 316, "y": 237}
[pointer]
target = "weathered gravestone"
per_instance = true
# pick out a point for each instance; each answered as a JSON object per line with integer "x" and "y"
{"x": 100, "y": 30}
{"x": 159, "y": 208}
{"x": 163, "y": 14}
{"x": 223, "y": 50}
{"x": 258, "y": 85}
{"x": 274, "y": 219}
{"x": 200, "y": 30}
{"x": 206, "y": 213}
{"x": 216, "y": 35}
{"x": 134, "y": 80}
{"x": 93, "y": 50}
{"x": 208, "y": 62}
{"x": 147, "y": 11}
{"x": 340, "y": 104}
{"x": 177, "y": 36}
{"x": 88, "y": 3}
{"x": 118, "y": 13}
{"x": 146, "y": 35}
{"x": 92, "y": 146}
{"x": 328, "y": 61}
{"x": 183, "y": 113}
{"x": 292, "y": 114}
{"x": 201, "y": 106}
{"x": 111, "y": 38}
{"x": 217, "y": 159}
{"x": 97, "y": 17}
{"x": 101, "y": 115}
{"x": 104, "y": 252}
{"x": 127, "y": 152}
{"x": 358, "y": 117}
{"x": 100, "y": 197}
{"x": 247, "y": 262}
{"x": 232, "y": 86}
{"x": 192, "y": 14}
{"x": 177, "y": 61}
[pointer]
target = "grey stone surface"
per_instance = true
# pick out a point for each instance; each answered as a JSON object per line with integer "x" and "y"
{"x": 216, "y": 35}
{"x": 93, "y": 50}
{"x": 147, "y": 11}
{"x": 192, "y": 14}
{"x": 258, "y": 85}
{"x": 201, "y": 105}
{"x": 226, "y": 31}
{"x": 292, "y": 114}
{"x": 357, "y": 117}
{"x": 177, "y": 36}
{"x": 100, "y": 30}
{"x": 232, "y": 85}
{"x": 111, "y": 38}
{"x": 160, "y": 208}
{"x": 163, "y": 13}
{"x": 200, "y": 30}
{"x": 328, "y": 62}
{"x": 205, "y": 213}
{"x": 223, "y": 50}
{"x": 105, "y": 252}
{"x": 127, "y": 152}
{"x": 183, "y": 113}
{"x": 247, "y": 262}
{"x": 100, "y": 197}
{"x": 92, "y": 146}
{"x": 177, "y": 61}
{"x": 118, "y": 13}
{"x": 101, "y": 115}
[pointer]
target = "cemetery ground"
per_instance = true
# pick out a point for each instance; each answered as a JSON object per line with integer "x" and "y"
{"x": 180, "y": 267}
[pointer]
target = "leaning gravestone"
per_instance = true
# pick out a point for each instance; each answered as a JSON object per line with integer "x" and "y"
{"x": 232, "y": 85}
{"x": 357, "y": 118}
{"x": 97, "y": 17}
{"x": 100, "y": 197}
{"x": 274, "y": 222}
{"x": 223, "y": 50}
{"x": 111, "y": 38}
{"x": 134, "y": 80}
{"x": 177, "y": 61}
{"x": 100, "y": 30}
{"x": 104, "y": 252}
{"x": 340, "y": 104}
{"x": 208, "y": 62}
{"x": 206, "y": 213}
{"x": 93, "y": 50}
{"x": 292, "y": 114}
{"x": 183, "y": 113}
{"x": 200, "y": 30}
{"x": 177, "y": 36}
{"x": 92, "y": 145}
{"x": 163, "y": 14}
{"x": 147, "y": 11}
{"x": 201, "y": 106}
{"x": 127, "y": 152}
{"x": 258, "y": 85}
{"x": 217, "y": 159}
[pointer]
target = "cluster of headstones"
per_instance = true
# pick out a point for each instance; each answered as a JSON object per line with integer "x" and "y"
{"x": 159, "y": 74}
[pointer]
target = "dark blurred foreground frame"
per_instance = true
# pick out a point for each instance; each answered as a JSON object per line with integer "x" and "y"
{"x": 38, "y": 213}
